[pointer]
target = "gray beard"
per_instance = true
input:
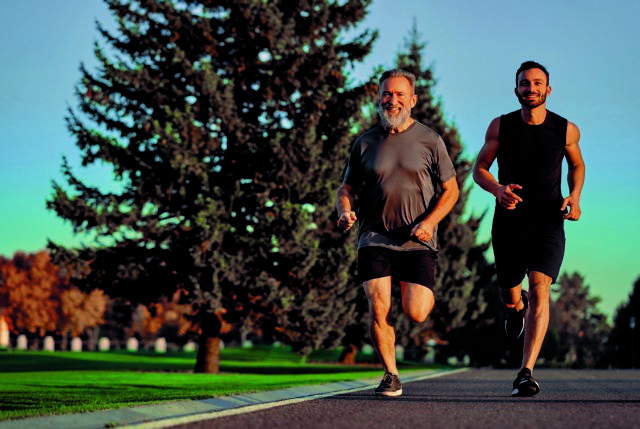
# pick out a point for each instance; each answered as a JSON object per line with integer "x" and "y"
{"x": 396, "y": 121}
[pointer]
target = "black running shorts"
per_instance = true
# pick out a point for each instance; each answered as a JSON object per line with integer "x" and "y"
{"x": 412, "y": 266}
{"x": 520, "y": 248}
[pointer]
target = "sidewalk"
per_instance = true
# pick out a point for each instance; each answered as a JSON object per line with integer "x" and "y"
{"x": 170, "y": 414}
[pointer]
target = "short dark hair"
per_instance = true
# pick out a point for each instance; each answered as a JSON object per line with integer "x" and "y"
{"x": 398, "y": 73}
{"x": 531, "y": 65}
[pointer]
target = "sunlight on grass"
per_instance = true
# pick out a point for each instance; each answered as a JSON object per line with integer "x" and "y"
{"x": 41, "y": 383}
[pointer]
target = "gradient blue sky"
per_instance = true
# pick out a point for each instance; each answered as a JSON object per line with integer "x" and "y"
{"x": 590, "y": 48}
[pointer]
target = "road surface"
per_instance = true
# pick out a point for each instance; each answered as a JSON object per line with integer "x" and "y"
{"x": 474, "y": 399}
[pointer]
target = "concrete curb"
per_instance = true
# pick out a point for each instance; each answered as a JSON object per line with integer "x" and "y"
{"x": 174, "y": 413}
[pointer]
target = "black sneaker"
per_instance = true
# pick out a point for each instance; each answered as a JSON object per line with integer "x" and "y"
{"x": 389, "y": 386}
{"x": 514, "y": 322}
{"x": 525, "y": 384}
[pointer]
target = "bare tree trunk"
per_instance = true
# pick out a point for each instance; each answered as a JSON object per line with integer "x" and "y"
{"x": 93, "y": 335}
{"x": 348, "y": 355}
{"x": 64, "y": 341}
{"x": 208, "y": 358}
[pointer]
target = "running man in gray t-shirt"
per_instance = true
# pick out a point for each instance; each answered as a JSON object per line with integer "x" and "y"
{"x": 395, "y": 170}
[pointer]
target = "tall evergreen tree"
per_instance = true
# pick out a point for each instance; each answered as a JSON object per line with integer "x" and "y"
{"x": 623, "y": 347}
{"x": 577, "y": 330}
{"x": 226, "y": 124}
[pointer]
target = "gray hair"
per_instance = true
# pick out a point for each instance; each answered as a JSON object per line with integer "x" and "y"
{"x": 399, "y": 73}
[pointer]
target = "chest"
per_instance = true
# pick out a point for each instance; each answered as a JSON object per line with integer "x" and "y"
{"x": 531, "y": 145}
{"x": 391, "y": 157}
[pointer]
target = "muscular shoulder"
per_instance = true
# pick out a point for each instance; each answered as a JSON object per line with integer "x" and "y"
{"x": 493, "y": 130}
{"x": 573, "y": 133}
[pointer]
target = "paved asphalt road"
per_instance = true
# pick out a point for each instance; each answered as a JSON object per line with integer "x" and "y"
{"x": 474, "y": 399}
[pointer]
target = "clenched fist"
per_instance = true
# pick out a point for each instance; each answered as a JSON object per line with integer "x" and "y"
{"x": 423, "y": 231}
{"x": 346, "y": 220}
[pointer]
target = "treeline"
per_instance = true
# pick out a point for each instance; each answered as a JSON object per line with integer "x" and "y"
{"x": 38, "y": 300}
{"x": 227, "y": 125}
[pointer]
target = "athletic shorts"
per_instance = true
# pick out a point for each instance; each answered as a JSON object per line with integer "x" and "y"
{"x": 520, "y": 248}
{"x": 412, "y": 266}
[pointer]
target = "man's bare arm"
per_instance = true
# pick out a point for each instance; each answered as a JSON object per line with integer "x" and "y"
{"x": 504, "y": 193}
{"x": 576, "y": 174}
{"x": 424, "y": 230}
{"x": 344, "y": 205}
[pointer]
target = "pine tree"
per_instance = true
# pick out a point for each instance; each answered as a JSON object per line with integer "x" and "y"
{"x": 623, "y": 346}
{"x": 224, "y": 122}
{"x": 577, "y": 330}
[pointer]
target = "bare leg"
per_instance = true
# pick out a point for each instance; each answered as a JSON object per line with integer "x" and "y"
{"x": 383, "y": 337}
{"x": 417, "y": 301}
{"x": 512, "y": 298}
{"x": 537, "y": 317}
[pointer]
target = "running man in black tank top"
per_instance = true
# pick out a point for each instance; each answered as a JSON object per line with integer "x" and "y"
{"x": 528, "y": 225}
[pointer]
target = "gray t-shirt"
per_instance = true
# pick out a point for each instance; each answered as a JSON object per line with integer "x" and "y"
{"x": 395, "y": 177}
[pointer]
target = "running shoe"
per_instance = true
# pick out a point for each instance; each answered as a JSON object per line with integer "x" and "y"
{"x": 389, "y": 386}
{"x": 514, "y": 322}
{"x": 525, "y": 384}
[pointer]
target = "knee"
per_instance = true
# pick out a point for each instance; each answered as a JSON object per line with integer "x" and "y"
{"x": 417, "y": 316}
{"x": 378, "y": 310}
{"x": 539, "y": 295}
{"x": 417, "y": 313}
{"x": 507, "y": 298}
{"x": 540, "y": 285}
{"x": 417, "y": 301}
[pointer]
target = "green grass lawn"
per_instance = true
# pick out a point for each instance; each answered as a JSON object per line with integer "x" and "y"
{"x": 43, "y": 383}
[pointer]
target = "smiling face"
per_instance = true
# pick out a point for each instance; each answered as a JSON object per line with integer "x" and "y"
{"x": 533, "y": 88}
{"x": 395, "y": 104}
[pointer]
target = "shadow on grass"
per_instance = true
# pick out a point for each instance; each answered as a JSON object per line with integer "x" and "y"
{"x": 258, "y": 360}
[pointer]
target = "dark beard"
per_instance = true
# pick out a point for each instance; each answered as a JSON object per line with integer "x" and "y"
{"x": 531, "y": 104}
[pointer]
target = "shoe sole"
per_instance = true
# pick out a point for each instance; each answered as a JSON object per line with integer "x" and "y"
{"x": 525, "y": 393}
{"x": 506, "y": 331}
{"x": 396, "y": 393}
{"x": 511, "y": 337}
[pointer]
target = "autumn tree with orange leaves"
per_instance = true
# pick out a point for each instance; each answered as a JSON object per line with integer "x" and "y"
{"x": 36, "y": 297}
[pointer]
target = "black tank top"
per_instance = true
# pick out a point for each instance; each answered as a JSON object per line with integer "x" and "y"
{"x": 531, "y": 156}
